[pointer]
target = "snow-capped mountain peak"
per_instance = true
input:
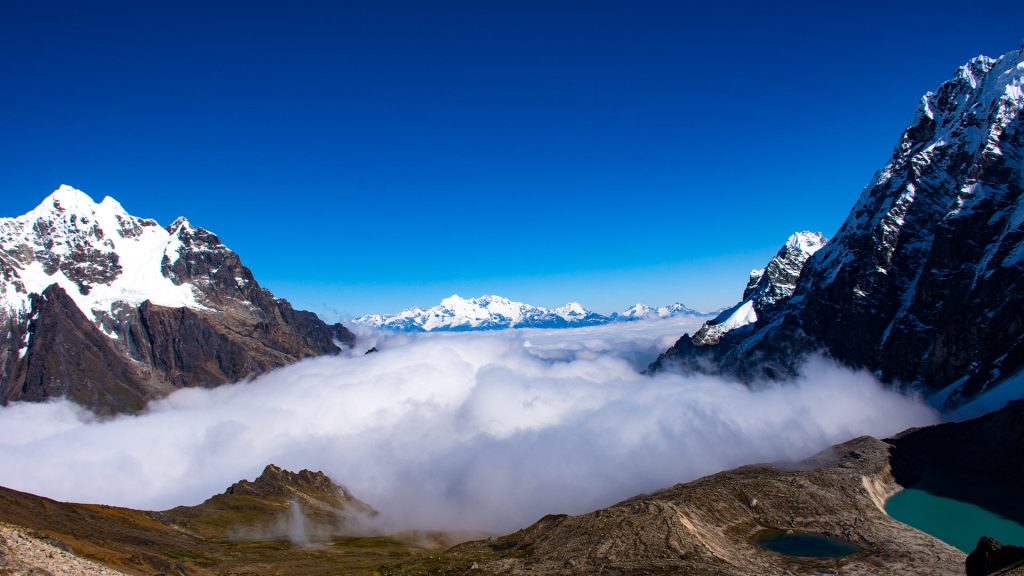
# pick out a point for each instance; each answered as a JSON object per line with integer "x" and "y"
{"x": 806, "y": 242}
{"x": 571, "y": 311}
{"x": 640, "y": 311}
{"x": 492, "y": 312}
{"x": 96, "y": 252}
{"x": 922, "y": 283}
{"x": 767, "y": 288}
{"x": 112, "y": 310}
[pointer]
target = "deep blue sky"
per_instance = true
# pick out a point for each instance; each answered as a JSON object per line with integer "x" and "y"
{"x": 365, "y": 156}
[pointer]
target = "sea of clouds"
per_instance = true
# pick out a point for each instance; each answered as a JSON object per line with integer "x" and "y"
{"x": 472, "y": 432}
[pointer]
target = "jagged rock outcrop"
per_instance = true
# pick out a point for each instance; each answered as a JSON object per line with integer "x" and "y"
{"x": 991, "y": 557}
{"x": 278, "y": 504}
{"x": 111, "y": 310}
{"x": 922, "y": 284}
{"x": 68, "y": 356}
{"x": 258, "y": 527}
{"x": 767, "y": 290}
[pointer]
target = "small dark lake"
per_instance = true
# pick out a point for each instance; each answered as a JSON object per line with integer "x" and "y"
{"x": 806, "y": 545}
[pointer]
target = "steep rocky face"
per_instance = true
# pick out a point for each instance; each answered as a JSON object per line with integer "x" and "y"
{"x": 767, "y": 289}
{"x": 984, "y": 447}
{"x": 68, "y": 356}
{"x": 112, "y": 310}
{"x": 992, "y": 557}
{"x": 922, "y": 284}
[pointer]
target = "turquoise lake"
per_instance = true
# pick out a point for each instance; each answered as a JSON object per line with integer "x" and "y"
{"x": 955, "y": 522}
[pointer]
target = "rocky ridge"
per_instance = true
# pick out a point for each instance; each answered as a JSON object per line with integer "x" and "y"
{"x": 767, "y": 289}
{"x": 301, "y": 506}
{"x": 112, "y": 310}
{"x": 922, "y": 284}
{"x": 270, "y": 525}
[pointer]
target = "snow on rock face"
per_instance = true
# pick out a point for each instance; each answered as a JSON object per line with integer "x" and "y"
{"x": 923, "y": 284}
{"x": 98, "y": 253}
{"x": 641, "y": 311}
{"x": 777, "y": 281}
{"x": 484, "y": 313}
{"x": 571, "y": 311}
{"x": 111, "y": 310}
{"x": 766, "y": 289}
{"x": 494, "y": 312}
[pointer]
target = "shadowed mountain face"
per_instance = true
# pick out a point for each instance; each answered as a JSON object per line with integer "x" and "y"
{"x": 977, "y": 461}
{"x": 922, "y": 284}
{"x": 111, "y": 310}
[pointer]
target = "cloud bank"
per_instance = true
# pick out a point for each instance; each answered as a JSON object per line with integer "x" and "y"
{"x": 484, "y": 431}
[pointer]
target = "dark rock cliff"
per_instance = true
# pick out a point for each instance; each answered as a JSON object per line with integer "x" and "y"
{"x": 922, "y": 284}
{"x": 111, "y": 311}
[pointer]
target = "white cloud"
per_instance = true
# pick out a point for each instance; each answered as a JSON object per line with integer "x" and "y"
{"x": 484, "y": 431}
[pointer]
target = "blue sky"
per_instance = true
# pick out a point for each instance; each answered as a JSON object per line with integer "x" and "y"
{"x": 369, "y": 156}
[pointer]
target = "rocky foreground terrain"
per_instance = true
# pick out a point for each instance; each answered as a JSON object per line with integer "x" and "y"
{"x": 281, "y": 523}
{"x": 303, "y": 523}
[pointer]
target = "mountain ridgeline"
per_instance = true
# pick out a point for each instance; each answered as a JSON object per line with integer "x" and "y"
{"x": 922, "y": 284}
{"x": 111, "y": 310}
{"x": 457, "y": 314}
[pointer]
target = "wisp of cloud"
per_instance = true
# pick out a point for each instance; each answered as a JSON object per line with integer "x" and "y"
{"x": 472, "y": 432}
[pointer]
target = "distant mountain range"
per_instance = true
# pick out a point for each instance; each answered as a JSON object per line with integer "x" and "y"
{"x": 922, "y": 285}
{"x": 457, "y": 314}
{"x": 111, "y": 310}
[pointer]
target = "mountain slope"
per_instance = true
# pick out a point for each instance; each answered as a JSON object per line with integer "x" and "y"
{"x": 922, "y": 284}
{"x": 112, "y": 310}
{"x": 262, "y": 526}
{"x": 495, "y": 313}
{"x": 712, "y": 525}
{"x": 767, "y": 289}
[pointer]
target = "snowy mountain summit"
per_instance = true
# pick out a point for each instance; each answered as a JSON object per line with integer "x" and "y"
{"x": 456, "y": 313}
{"x": 112, "y": 310}
{"x": 766, "y": 289}
{"x": 96, "y": 252}
{"x": 495, "y": 313}
{"x": 640, "y": 311}
{"x": 923, "y": 284}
